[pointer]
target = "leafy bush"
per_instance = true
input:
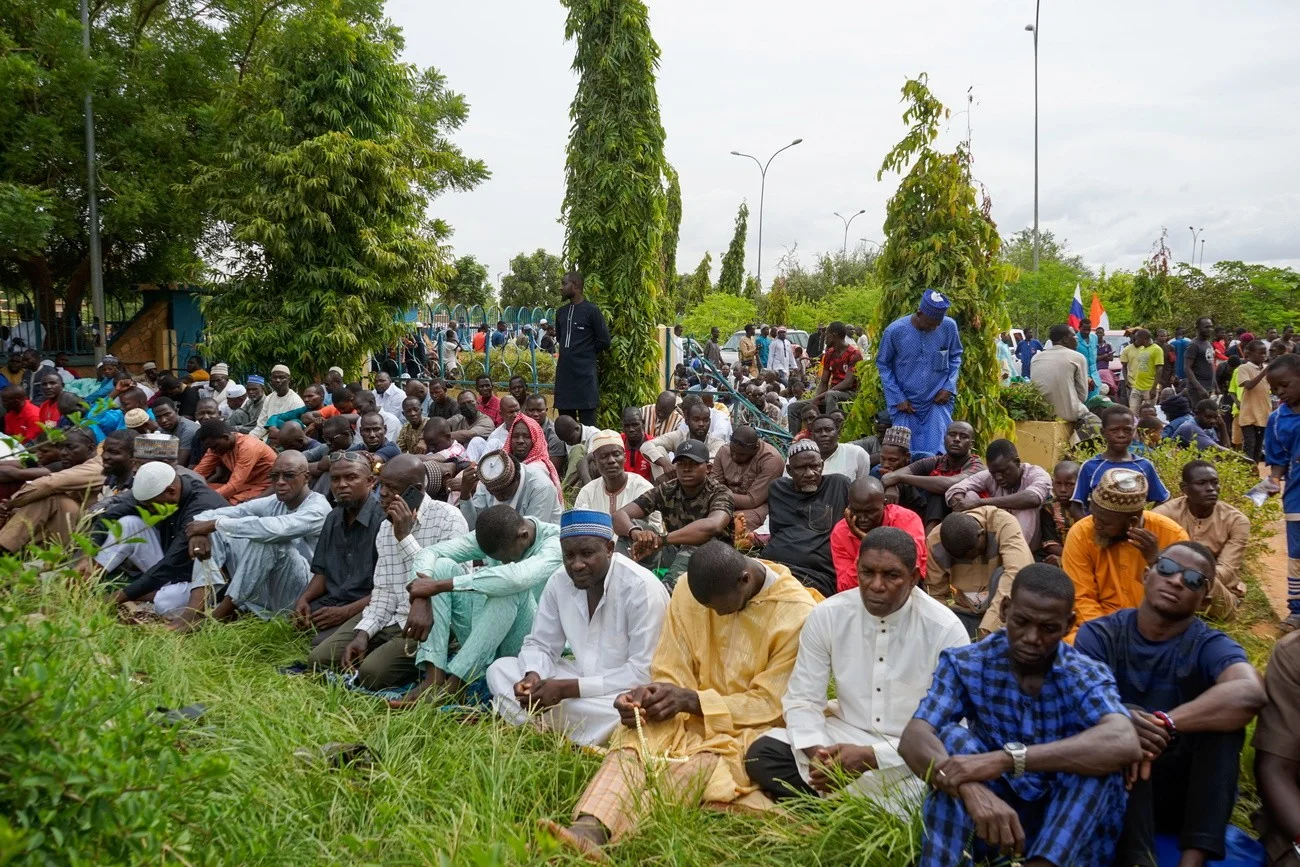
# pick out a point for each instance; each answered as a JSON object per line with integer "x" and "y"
{"x": 87, "y": 777}
{"x": 1025, "y": 401}
{"x": 728, "y": 312}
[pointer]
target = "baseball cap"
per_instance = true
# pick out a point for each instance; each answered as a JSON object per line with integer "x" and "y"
{"x": 692, "y": 450}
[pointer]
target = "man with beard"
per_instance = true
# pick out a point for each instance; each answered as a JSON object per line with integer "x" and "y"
{"x": 1222, "y": 528}
{"x": 880, "y": 644}
{"x": 218, "y": 382}
{"x": 747, "y": 467}
{"x": 343, "y": 562}
{"x": 245, "y": 412}
{"x": 238, "y": 466}
{"x": 263, "y": 548}
{"x": 281, "y": 399}
{"x": 117, "y": 459}
{"x": 633, "y": 433}
{"x": 472, "y": 422}
{"x": 372, "y": 644}
{"x": 47, "y": 509}
{"x": 659, "y": 451}
{"x": 387, "y": 395}
{"x": 374, "y": 438}
{"x": 364, "y": 402}
{"x": 615, "y": 487}
{"x": 1108, "y": 551}
{"x": 694, "y": 507}
{"x": 609, "y": 612}
{"x": 868, "y": 510}
{"x": 535, "y": 408}
{"x": 583, "y": 335}
{"x": 804, "y": 508}
{"x": 1059, "y": 800}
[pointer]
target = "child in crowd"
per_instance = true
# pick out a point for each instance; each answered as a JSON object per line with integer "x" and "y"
{"x": 1282, "y": 454}
{"x": 1117, "y": 429}
{"x": 1149, "y": 431}
{"x": 1056, "y": 520}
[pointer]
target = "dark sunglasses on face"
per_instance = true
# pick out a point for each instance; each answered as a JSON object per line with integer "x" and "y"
{"x": 275, "y": 476}
{"x": 1192, "y": 580}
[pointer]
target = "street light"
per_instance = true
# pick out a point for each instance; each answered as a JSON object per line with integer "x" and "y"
{"x": 1202, "y": 253}
{"x": 870, "y": 241}
{"x": 848, "y": 221}
{"x": 1194, "y": 232}
{"x": 1033, "y": 28}
{"x": 762, "y": 190}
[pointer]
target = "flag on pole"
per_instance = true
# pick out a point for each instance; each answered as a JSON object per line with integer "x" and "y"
{"x": 1076, "y": 309}
{"x": 1098, "y": 314}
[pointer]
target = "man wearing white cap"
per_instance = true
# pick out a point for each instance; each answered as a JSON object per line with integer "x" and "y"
{"x": 218, "y": 386}
{"x": 159, "y": 554}
{"x": 280, "y": 398}
{"x": 605, "y": 608}
{"x": 616, "y": 487}
{"x": 148, "y": 383}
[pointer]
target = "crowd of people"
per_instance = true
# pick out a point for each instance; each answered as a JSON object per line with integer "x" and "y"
{"x": 1027, "y": 655}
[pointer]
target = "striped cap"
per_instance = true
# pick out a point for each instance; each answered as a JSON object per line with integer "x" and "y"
{"x": 586, "y": 522}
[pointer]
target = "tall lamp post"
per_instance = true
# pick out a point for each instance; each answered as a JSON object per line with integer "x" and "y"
{"x": 762, "y": 190}
{"x": 1033, "y": 28}
{"x": 1195, "y": 232}
{"x": 96, "y": 261}
{"x": 1202, "y": 253}
{"x": 848, "y": 221}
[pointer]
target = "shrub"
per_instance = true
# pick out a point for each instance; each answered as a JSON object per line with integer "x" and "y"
{"x": 1025, "y": 401}
{"x": 509, "y": 361}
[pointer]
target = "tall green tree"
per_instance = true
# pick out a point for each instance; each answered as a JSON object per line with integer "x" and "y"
{"x": 155, "y": 71}
{"x": 775, "y": 305}
{"x": 672, "y": 230}
{"x": 692, "y": 287}
{"x": 615, "y": 208}
{"x": 732, "y": 278}
{"x": 1151, "y": 286}
{"x": 339, "y": 149}
{"x": 1040, "y": 299}
{"x": 728, "y": 312}
{"x": 468, "y": 284}
{"x": 938, "y": 235}
{"x": 533, "y": 281}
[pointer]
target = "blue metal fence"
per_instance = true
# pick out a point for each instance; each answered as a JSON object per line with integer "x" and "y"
{"x": 446, "y": 338}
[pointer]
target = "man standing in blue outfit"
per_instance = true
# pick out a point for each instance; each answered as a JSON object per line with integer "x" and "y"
{"x": 1035, "y": 769}
{"x": 583, "y": 335}
{"x": 1026, "y": 350}
{"x": 919, "y": 359}
{"x": 1282, "y": 454}
{"x": 1180, "y": 344}
{"x": 1087, "y": 347}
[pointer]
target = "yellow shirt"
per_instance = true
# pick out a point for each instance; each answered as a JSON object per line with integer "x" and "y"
{"x": 1255, "y": 405}
{"x": 738, "y": 664}
{"x": 1142, "y": 362}
{"x": 956, "y": 585}
{"x": 1106, "y": 580}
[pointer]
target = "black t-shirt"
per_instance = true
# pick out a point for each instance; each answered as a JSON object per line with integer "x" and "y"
{"x": 1199, "y": 362}
{"x": 801, "y": 527}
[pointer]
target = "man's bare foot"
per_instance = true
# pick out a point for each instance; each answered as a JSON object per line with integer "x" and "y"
{"x": 427, "y": 689}
{"x": 580, "y": 837}
{"x": 188, "y": 621}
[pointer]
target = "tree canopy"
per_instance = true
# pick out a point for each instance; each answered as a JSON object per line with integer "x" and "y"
{"x": 468, "y": 284}
{"x": 533, "y": 280}
{"x": 732, "y": 277}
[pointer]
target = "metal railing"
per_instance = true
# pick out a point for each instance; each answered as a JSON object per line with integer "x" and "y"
{"x": 517, "y": 352}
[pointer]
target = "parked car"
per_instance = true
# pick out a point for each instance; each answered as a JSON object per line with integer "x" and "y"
{"x": 731, "y": 349}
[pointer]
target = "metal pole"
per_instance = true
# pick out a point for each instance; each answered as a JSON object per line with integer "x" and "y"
{"x": 1195, "y": 232}
{"x": 1036, "y": 237}
{"x": 844, "y": 251}
{"x": 762, "y": 194}
{"x": 1202, "y": 254}
{"x": 96, "y": 263}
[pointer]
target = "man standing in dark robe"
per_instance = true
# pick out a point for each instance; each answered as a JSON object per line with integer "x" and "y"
{"x": 582, "y": 334}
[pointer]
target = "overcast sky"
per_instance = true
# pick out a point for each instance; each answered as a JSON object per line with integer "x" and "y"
{"x": 1152, "y": 114}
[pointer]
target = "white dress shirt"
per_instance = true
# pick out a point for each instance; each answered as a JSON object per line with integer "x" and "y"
{"x": 390, "y": 602}
{"x": 391, "y": 400}
{"x": 780, "y": 355}
{"x": 882, "y": 670}
{"x": 478, "y": 447}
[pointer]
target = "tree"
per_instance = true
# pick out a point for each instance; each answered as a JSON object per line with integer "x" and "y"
{"x": 672, "y": 229}
{"x": 1040, "y": 299}
{"x": 729, "y": 313}
{"x": 155, "y": 71}
{"x": 732, "y": 278}
{"x": 830, "y": 271}
{"x": 692, "y": 288}
{"x": 939, "y": 235}
{"x": 337, "y": 150}
{"x": 615, "y": 208}
{"x": 776, "y": 304}
{"x": 1018, "y": 250}
{"x": 1151, "y": 286}
{"x": 534, "y": 280}
{"x": 468, "y": 284}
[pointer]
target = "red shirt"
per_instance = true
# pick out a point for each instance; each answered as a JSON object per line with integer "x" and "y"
{"x": 491, "y": 408}
{"x": 844, "y": 545}
{"x": 841, "y": 363}
{"x": 25, "y": 424}
{"x": 635, "y": 462}
{"x": 50, "y": 412}
{"x": 478, "y": 342}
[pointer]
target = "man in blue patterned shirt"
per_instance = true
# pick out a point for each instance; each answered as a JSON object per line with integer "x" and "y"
{"x": 1035, "y": 769}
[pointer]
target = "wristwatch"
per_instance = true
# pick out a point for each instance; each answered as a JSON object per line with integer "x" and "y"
{"x": 1018, "y": 752}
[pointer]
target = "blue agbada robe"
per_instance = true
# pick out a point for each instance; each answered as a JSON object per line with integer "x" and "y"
{"x": 915, "y": 366}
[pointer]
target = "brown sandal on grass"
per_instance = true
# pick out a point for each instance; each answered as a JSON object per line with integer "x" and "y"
{"x": 589, "y": 850}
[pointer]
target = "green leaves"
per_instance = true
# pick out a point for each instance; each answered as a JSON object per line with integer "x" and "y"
{"x": 732, "y": 277}
{"x": 534, "y": 280}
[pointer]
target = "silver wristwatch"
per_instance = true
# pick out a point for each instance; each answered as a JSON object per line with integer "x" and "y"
{"x": 1018, "y": 752}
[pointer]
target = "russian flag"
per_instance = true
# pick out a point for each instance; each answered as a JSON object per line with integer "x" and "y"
{"x": 1076, "y": 309}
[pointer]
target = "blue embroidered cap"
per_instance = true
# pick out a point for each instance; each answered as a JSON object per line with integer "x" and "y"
{"x": 935, "y": 304}
{"x": 585, "y": 522}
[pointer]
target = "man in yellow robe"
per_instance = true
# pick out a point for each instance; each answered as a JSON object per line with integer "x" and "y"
{"x": 726, "y": 652}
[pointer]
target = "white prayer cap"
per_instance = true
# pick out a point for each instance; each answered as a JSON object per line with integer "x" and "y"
{"x": 280, "y": 368}
{"x": 235, "y": 390}
{"x": 151, "y": 480}
{"x": 221, "y": 368}
{"x": 337, "y": 370}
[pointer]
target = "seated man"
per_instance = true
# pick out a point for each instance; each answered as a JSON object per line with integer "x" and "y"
{"x": 844, "y": 459}
{"x": 500, "y": 479}
{"x": 1203, "y": 428}
{"x": 662, "y": 416}
{"x": 1108, "y": 552}
{"x": 1057, "y": 517}
{"x": 47, "y": 509}
{"x": 871, "y": 444}
{"x": 1222, "y": 528}
{"x": 694, "y": 507}
{"x": 22, "y": 417}
{"x": 238, "y": 466}
{"x": 615, "y": 487}
{"x": 660, "y": 450}
{"x": 747, "y": 466}
{"x": 576, "y": 439}
{"x": 365, "y": 403}
{"x": 608, "y": 611}
{"x": 170, "y": 421}
{"x": 343, "y": 561}
{"x": 471, "y": 422}
{"x": 1277, "y": 756}
{"x": 1191, "y": 693}
{"x": 633, "y": 438}
{"x": 974, "y": 557}
{"x": 488, "y": 611}
{"x": 535, "y": 408}
{"x": 261, "y": 549}
{"x": 896, "y": 454}
{"x": 374, "y": 438}
{"x": 159, "y": 555}
{"x": 868, "y": 510}
{"x": 410, "y": 440}
{"x": 371, "y": 642}
{"x": 724, "y": 659}
{"x": 881, "y": 645}
{"x": 804, "y": 508}
{"x": 500, "y": 436}
{"x": 934, "y": 476}
{"x": 1020, "y": 489}
{"x": 1022, "y": 738}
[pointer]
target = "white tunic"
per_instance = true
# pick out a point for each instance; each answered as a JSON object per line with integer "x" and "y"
{"x": 612, "y": 649}
{"x": 882, "y": 670}
{"x": 595, "y": 498}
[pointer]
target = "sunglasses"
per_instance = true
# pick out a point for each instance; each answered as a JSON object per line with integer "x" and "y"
{"x": 356, "y": 457}
{"x": 275, "y": 476}
{"x": 1192, "y": 580}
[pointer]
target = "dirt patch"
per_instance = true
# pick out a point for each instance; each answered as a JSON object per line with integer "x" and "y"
{"x": 1273, "y": 581}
